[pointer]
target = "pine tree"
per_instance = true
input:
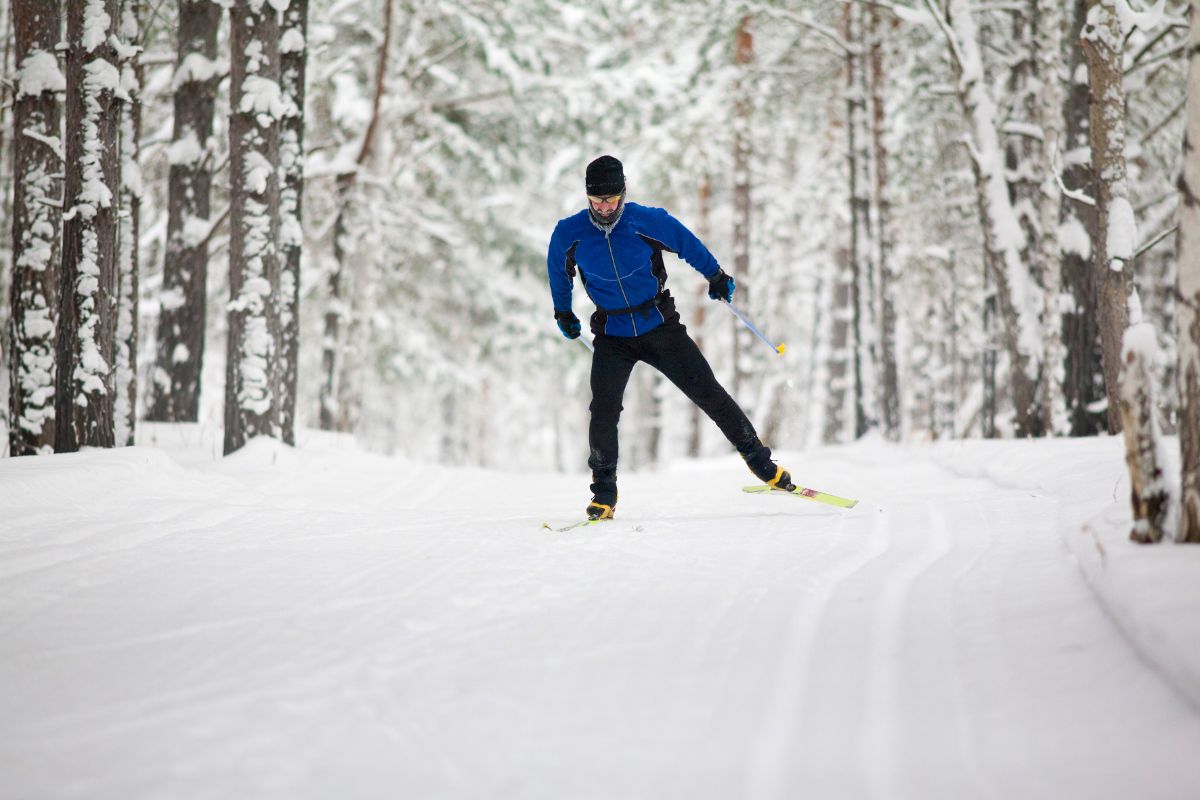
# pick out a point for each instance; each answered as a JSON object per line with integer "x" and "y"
{"x": 339, "y": 403}
{"x": 293, "y": 60}
{"x": 256, "y": 107}
{"x": 129, "y": 225}
{"x": 743, "y": 57}
{"x": 183, "y": 298}
{"x": 84, "y": 398}
{"x": 1084, "y": 381}
{"x": 885, "y": 262}
{"x": 37, "y": 159}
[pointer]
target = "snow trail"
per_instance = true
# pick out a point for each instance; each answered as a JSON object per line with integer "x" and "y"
{"x": 328, "y": 623}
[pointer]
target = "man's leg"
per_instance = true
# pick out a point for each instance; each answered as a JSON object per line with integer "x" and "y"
{"x": 611, "y": 365}
{"x": 675, "y": 355}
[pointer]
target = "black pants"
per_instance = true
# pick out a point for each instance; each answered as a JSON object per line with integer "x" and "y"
{"x": 670, "y": 350}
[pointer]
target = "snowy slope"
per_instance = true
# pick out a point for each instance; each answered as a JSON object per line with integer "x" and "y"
{"x": 326, "y": 623}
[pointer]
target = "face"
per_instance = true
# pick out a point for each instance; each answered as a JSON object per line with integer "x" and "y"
{"x": 605, "y": 207}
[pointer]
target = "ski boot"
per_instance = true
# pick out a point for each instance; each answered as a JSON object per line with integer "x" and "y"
{"x": 597, "y": 510}
{"x": 771, "y": 473}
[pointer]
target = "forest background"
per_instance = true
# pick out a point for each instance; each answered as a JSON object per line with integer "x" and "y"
{"x": 334, "y": 213}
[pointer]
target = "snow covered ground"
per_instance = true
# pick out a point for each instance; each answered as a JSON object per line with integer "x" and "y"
{"x": 326, "y": 623}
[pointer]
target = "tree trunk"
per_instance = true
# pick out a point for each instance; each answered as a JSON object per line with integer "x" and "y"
{"x": 889, "y": 381}
{"x": 37, "y": 159}
{"x": 1017, "y": 298}
{"x": 1187, "y": 318}
{"x": 839, "y": 402}
{"x": 293, "y": 60}
{"x": 696, "y": 417}
{"x": 1049, "y": 41}
{"x": 125, "y": 404}
{"x": 1103, "y": 43}
{"x": 858, "y": 172}
{"x": 336, "y": 412}
{"x": 87, "y": 301}
{"x": 743, "y": 56}
{"x": 1023, "y": 162}
{"x": 183, "y": 305}
{"x": 256, "y": 107}
{"x": 1140, "y": 425}
{"x": 1084, "y": 383}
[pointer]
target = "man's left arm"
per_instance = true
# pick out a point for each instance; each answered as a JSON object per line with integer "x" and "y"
{"x": 675, "y": 235}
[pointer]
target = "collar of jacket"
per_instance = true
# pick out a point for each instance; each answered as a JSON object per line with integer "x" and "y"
{"x": 607, "y": 229}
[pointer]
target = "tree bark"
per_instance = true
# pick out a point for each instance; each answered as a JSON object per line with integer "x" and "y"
{"x": 857, "y": 156}
{"x": 1049, "y": 46}
{"x": 696, "y": 417}
{"x": 839, "y": 402}
{"x": 293, "y": 61}
{"x": 87, "y": 301}
{"x": 889, "y": 381}
{"x": 1148, "y": 491}
{"x": 338, "y": 407}
{"x": 1187, "y": 318}
{"x": 743, "y": 56}
{"x": 37, "y": 159}
{"x": 1103, "y": 44}
{"x": 125, "y": 404}
{"x": 184, "y": 302}
{"x": 1084, "y": 382}
{"x": 1017, "y": 298}
{"x": 256, "y": 107}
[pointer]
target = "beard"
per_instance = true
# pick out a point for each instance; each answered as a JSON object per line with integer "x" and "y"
{"x": 607, "y": 219}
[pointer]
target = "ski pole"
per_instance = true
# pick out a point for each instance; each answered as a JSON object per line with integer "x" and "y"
{"x": 586, "y": 344}
{"x": 777, "y": 348}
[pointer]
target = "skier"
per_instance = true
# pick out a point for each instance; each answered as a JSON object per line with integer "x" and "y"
{"x": 617, "y": 248}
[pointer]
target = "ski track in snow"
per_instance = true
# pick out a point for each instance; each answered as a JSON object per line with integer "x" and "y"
{"x": 342, "y": 625}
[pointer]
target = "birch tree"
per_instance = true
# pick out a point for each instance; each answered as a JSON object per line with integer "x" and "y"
{"x": 87, "y": 300}
{"x": 1017, "y": 296}
{"x": 1187, "y": 318}
{"x": 37, "y": 160}
{"x": 183, "y": 300}
{"x": 1139, "y": 424}
{"x": 1103, "y": 44}
{"x": 256, "y": 107}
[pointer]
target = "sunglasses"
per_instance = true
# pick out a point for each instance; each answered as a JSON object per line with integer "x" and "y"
{"x": 612, "y": 198}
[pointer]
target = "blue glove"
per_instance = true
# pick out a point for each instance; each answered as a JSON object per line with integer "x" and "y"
{"x": 721, "y": 287}
{"x": 568, "y": 323}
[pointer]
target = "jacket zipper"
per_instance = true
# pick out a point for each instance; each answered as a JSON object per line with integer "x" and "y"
{"x": 632, "y": 321}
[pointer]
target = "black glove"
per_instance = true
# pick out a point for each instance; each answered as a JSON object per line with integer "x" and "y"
{"x": 568, "y": 323}
{"x": 721, "y": 287}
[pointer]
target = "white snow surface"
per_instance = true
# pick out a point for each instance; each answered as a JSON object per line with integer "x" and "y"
{"x": 323, "y": 622}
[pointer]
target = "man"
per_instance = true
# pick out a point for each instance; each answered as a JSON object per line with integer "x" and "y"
{"x": 616, "y": 247}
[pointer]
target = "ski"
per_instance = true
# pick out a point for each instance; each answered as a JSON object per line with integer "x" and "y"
{"x": 800, "y": 491}
{"x": 571, "y": 527}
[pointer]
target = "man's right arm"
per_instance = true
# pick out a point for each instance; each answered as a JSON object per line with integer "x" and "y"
{"x": 556, "y": 270}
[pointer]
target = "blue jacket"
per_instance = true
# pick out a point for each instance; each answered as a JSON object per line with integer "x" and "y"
{"x": 622, "y": 271}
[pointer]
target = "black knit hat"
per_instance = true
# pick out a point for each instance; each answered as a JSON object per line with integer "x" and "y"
{"x": 605, "y": 177}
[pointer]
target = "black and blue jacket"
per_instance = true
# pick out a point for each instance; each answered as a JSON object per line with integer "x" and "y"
{"x": 622, "y": 268}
